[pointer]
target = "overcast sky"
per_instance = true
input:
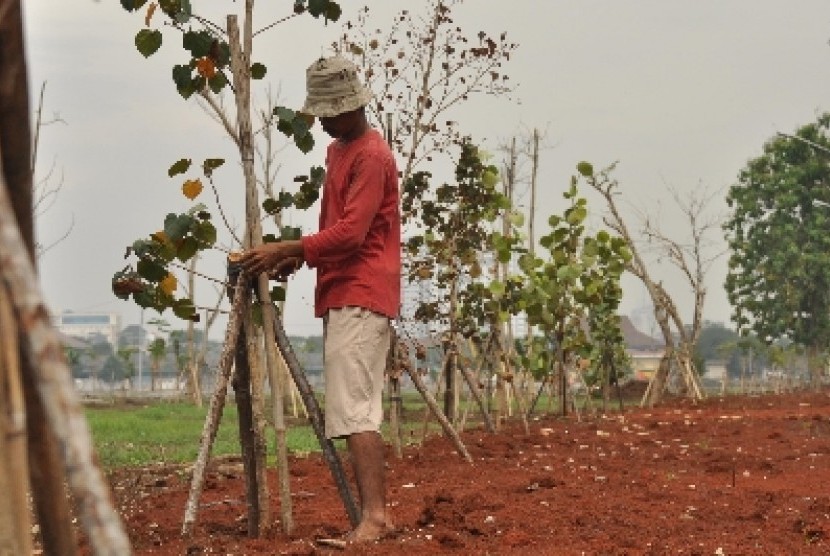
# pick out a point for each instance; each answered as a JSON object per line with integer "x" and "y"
{"x": 681, "y": 93}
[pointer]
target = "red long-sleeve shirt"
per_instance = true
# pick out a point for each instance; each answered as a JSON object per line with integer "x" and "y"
{"x": 357, "y": 250}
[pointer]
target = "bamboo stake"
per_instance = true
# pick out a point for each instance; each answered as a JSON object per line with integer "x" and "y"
{"x": 240, "y": 67}
{"x": 433, "y": 405}
{"x": 217, "y": 404}
{"x": 393, "y": 372}
{"x": 241, "y": 384}
{"x": 315, "y": 416}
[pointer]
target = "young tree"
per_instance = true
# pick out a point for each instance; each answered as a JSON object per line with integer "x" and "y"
{"x": 420, "y": 68}
{"x": 693, "y": 262}
{"x": 458, "y": 219}
{"x": 220, "y": 58}
{"x": 778, "y": 280}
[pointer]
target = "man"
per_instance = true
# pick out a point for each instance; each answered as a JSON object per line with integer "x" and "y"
{"x": 357, "y": 257}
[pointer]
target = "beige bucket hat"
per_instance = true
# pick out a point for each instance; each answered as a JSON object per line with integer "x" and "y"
{"x": 333, "y": 88}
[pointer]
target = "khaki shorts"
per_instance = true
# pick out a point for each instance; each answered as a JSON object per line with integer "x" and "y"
{"x": 356, "y": 342}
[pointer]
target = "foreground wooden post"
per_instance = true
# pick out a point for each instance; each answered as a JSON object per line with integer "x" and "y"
{"x": 15, "y": 524}
{"x": 49, "y": 383}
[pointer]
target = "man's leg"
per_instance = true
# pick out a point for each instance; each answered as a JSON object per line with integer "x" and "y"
{"x": 366, "y": 450}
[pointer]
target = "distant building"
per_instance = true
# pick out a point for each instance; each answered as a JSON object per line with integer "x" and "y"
{"x": 90, "y": 326}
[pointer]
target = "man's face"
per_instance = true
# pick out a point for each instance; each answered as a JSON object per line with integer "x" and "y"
{"x": 340, "y": 126}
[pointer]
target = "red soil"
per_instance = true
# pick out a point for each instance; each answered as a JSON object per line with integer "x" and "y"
{"x": 741, "y": 475}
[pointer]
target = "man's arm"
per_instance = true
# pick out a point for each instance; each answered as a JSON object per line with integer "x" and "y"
{"x": 363, "y": 201}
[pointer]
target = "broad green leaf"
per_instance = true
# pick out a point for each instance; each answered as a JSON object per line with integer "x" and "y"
{"x": 284, "y": 113}
{"x": 577, "y": 215}
{"x": 285, "y": 199}
{"x": 517, "y": 218}
{"x": 304, "y": 143}
{"x": 185, "y": 12}
{"x": 148, "y": 41}
{"x": 181, "y": 75}
{"x": 177, "y": 225}
{"x": 585, "y": 168}
{"x": 197, "y": 42}
{"x": 132, "y": 5}
{"x": 217, "y": 82}
{"x": 490, "y": 178}
{"x": 184, "y": 309}
{"x": 205, "y": 232}
{"x": 316, "y": 7}
{"x": 271, "y": 206}
{"x": 179, "y": 167}
{"x": 258, "y": 70}
{"x": 496, "y": 288}
{"x": 211, "y": 164}
{"x": 187, "y": 248}
{"x": 151, "y": 270}
{"x": 290, "y": 232}
{"x": 333, "y": 11}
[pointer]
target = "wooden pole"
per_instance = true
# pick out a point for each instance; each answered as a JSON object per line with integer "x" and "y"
{"x": 217, "y": 404}
{"x": 49, "y": 391}
{"x": 240, "y": 67}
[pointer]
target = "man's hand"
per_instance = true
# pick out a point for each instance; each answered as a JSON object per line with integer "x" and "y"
{"x": 286, "y": 268}
{"x": 274, "y": 258}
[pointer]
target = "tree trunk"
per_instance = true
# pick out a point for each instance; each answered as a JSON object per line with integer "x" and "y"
{"x": 815, "y": 364}
{"x": 240, "y": 67}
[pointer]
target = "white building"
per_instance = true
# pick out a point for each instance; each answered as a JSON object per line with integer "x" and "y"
{"x": 88, "y": 326}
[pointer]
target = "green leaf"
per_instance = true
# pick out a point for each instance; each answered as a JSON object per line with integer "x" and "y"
{"x": 217, "y": 82}
{"x": 180, "y": 167}
{"x": 585, "y": 168}
{"x": 205, "y": 233}
{"x": 333, "y": 11}
{"x": 187, "y": 248}
{"x": 284, "y": 113}
{"x": 285, "y": 199}
{"x": 151, "y": 270}
{"x": 496, "y": 288}
{"x": 181, "y": 75}
{"x": 148, "y": 41}
{"x": 176, "y": 226}
{"x": 132, "y": 5}
{"x": 184, "y": 309}
{"x": 258, "y": 70}
{"x": 517, "y": 219}
{"x": 271, "y": 206}
{"x": 304, "y": 143}
{"x": 185, "y": 12}
{"x": 277, "y": 294}
{"x": 211, "y": 164}
{"x": 316, "y": 7}
{"x": 197, "y": 42}
{"x": 299, "y": 126}
{"x": 290, "y": 232}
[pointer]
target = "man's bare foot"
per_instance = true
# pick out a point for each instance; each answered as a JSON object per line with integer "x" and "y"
{"x": 366, "y": 532}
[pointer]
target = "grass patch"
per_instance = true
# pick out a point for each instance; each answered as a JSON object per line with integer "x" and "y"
{"x": 169, "y": 431}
